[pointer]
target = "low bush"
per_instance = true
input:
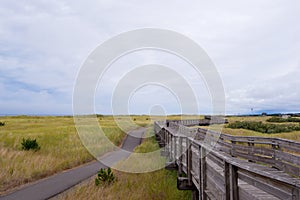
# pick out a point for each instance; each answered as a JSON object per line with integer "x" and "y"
{"x": 282, "y": 120}
{"x": 264, "y": 128}
{"x": 2, "y": 123}
{"x": 104, "y": 176}
{"x": 30, "y": 144}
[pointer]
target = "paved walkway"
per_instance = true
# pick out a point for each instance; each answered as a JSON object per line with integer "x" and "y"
{"x": 58, "y": 183}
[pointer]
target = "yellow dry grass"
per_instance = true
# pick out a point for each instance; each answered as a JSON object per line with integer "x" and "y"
{"x": 61, "y": 147}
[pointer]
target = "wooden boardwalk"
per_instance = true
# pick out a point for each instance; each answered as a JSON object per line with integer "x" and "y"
{"x": 220, "y": 166}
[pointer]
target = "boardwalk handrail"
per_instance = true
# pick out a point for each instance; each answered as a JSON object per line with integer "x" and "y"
{"x": 284, "y": 143}
{"x": 280, "y": 153}
{"x": 222, "y": 174}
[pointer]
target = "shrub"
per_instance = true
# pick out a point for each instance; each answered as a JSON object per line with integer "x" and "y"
{"x": 263, "y": 128}
{"x": 281, "y": 120}
{"x": 28, "y": 144}
{"x": 2, "y": 123}
{"x": 104, "y": 176}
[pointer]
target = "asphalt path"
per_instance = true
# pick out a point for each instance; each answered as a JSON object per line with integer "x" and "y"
{"x": 58, "y": 183}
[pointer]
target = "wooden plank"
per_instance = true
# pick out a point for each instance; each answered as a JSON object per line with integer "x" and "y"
{"x": 219, "y": 162}
{"x": 257, "y": 158}
{"x": 249, "y": 192}
{"x": 214, "y": 190}
{"x": 288, "y": 168}
{"x": 254, "y": 149}
{"x": 216, "y": 177}
{"x": 267, "y": 185}
{"x": 293, "y": 159}
{"x": 255, "y": 168}
{"x": 195, "y": 164}
{"x": 195, "y": 156}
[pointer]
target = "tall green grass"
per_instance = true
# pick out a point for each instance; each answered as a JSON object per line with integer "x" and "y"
{"x": 157, "y": 185}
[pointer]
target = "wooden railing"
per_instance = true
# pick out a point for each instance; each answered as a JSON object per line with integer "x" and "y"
{"x": 236, "y": 167}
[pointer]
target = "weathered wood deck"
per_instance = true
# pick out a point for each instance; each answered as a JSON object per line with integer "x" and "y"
{"x": 221, "y": 166}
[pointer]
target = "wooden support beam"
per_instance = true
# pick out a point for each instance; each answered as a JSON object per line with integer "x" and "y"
{"x": 183, "y": 184}
{"x": 175, "y": 149}
{"x": 199, "y": 174}
{"x": 189, "y": 160}
{"x": 171, "y": 166}
{"x": 203, "y": 173}
{"x": 234, "y": 182}
{"x": 180, "y": 158}
{"x": 296, "y": 193}
{"x": 195, "y": 195}
{"x": 227, "y": 180}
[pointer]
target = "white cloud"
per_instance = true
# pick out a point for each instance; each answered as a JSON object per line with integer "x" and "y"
{"x": 254, "y": 44}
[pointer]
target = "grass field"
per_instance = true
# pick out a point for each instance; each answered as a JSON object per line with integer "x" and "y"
{"x": 61, "y": 147}
{"x": 157, "y": 185}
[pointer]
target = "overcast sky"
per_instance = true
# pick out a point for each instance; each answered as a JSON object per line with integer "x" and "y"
{"x": 255, "y": 46}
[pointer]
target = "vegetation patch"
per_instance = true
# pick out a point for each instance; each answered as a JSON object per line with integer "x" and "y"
{"x": 282, "y": 120}
{"x": 104, "y": 176}
{"x": 264, "y": 128}
{"x": 2, "y": 123}
{"x": 158, "y": 184}
{"x": 60, "y": 145}
{"x": 30, "y": 144}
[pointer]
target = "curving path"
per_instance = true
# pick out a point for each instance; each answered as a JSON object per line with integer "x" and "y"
{"x": 58, "y": 183}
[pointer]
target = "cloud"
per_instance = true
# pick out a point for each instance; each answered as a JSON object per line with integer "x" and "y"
{"x": 254, "y": 44}
{"x": 279, "y": 94}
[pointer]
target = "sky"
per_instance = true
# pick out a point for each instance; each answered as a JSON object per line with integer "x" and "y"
{"x": 254, "y": 46}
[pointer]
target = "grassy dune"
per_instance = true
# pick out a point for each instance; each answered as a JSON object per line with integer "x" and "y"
{"x": 61, "y": 147}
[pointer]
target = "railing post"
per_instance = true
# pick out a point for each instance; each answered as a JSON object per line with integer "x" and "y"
{"x": 227, "y": 180}
{"x": 167, "y": 144}
{"x": 203, "y": 173}
{"x": 165, "y": 137}
{"x": 234, "y": 182}
{"x": 189, "y": 161}
{"x": 199, "y": 178}
{"x": 233, "y": 148}
{"x": 296, "y": 194}
{"x": 275, "y": 148}
{"x": 180, "y": 157}
{"x": 195, "y": 195}
{"x": 175, "y": 149}
{"x": 250, "y": 144}
{"x": 171, "y": 148}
